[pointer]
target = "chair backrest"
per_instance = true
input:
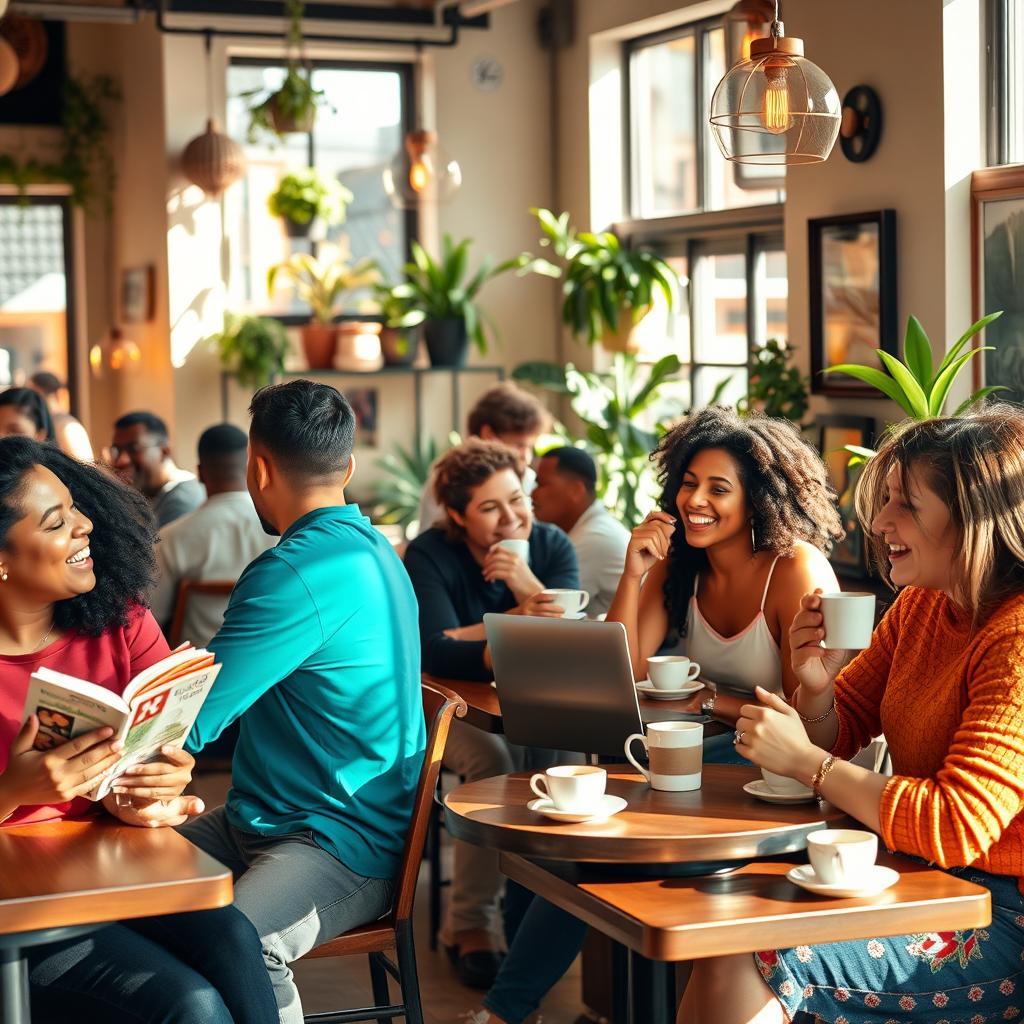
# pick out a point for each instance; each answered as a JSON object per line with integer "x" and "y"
{"x": 217, "y": 588}
{"x": 440, "y": 706}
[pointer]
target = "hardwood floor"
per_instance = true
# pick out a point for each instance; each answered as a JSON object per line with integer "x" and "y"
{"x": 341, "y": 983}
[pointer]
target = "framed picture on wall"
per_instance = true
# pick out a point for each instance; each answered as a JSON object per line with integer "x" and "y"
{"x": 364, "y": 405}
{"x": 852, "y": 268}
{"x": 849, "y": 556}
{"x": 997, "y": 261}
{"x": 138, "y": 297}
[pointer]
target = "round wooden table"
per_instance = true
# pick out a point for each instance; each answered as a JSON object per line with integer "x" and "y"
{"x": 718, "y": 822}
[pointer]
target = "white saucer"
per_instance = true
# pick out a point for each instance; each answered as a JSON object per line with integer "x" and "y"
{"x": 648, "y": 689}
{"x": 875, "y": 881}
{"x": 759, "y": 788}
{"x": 606, "y": 807}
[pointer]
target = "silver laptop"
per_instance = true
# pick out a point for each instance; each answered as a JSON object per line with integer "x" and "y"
{"x": 564, "y": 683}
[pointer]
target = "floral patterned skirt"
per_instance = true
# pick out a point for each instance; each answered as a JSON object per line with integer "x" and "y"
{"x": 958, "y": 977}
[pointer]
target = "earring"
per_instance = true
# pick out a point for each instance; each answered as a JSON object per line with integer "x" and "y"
{"x": 753, "y": 536}
{"x": 3, "y": 575}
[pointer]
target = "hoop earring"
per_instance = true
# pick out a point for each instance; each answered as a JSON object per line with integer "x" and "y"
{"x": 753, "y": 536}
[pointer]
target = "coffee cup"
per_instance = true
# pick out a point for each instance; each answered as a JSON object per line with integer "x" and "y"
{"x": 517, "y": 547}
{"x": 572, "y": 602}
{"x": 573, "y": 787}
{"x": 848, "y": 620}
{"x": 674, "y": 752}
{"x": 783, "y": 785}
{"x": 842, "y": 856}
{"x": 671, "y": 671}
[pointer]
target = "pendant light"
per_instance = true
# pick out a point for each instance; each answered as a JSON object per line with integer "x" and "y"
{"x": 213, "y": 160}
{"x": 777, "y": 107}
{"x": 422, "y": 172}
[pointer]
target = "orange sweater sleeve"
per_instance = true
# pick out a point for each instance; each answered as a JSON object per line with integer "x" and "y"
{"x": 861, "y": 684}
{"x": 954, "y": 817}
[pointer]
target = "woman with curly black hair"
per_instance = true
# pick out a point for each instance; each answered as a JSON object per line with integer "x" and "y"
{"x": 76, "y": 561}
{"x": 24, "y": 413}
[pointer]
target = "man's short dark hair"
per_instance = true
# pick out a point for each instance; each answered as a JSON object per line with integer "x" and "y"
{"x": 46, "y": 383}
{"x": 308, "y": 428}
{"x": 507, "y": 409}
{"x": 153, "y": 424}
{"x": 575, "y": 462}
{"x": 221, "y": 441}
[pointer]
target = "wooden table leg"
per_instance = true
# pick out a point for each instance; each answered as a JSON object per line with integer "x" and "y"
{"x": 14, "y": 1005}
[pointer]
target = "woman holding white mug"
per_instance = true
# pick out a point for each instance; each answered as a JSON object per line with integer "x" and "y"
{"x": 944, "y": 680}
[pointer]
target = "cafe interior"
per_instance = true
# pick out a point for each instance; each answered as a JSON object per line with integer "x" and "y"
{"x": 630, "y": 212}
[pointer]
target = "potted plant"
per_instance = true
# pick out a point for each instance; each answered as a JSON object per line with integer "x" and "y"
{"x": 608, "y": 289}
{"x": 252, "y": 348}
{"x": 403, "y": 326}
{"x": 397, "y": 496}
{"x": 323, "y": 285}
{"x": 774, "y": 386}
{"x": 302, "y": 196}
{"x": 445, "y": 292}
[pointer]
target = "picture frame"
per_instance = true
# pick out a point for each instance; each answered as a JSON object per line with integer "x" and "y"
{"x": 853, "y": 289}
{"x": 364, "y": 402}
{"x": 849, "y": 556}
{"x": 997, "y": 276}
{"x": 138, "y": 294}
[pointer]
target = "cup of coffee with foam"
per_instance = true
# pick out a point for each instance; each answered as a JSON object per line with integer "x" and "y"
{"x": 842, "y": 856}
{"x": 572, "y": 602}
{"x": 575, "y": 788}
{"x": 675, "y": 751}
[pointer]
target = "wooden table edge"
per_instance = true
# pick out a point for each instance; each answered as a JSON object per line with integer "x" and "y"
{"x": 675, "y": 944}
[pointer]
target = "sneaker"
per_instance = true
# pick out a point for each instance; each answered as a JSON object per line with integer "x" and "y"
{"x": 475, "y": 1017}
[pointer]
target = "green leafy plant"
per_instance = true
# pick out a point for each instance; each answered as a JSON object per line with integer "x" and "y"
{"x": 323, "y": 284}
{"x": 397, "y": 496}
{"x": 252, "y": 348}
{"x": 604, "y": 281}
{"x": 918, "y": 387}
{"x": 775, "y": 387}
{"x": 444, "y": 289}
{"x": 610, "y": 404}
{"x": 85, "y": 162}
{"x": 303, "y": 195}
{"x": 398, "y": 310}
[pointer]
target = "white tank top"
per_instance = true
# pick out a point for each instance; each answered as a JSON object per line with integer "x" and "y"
{"x": 741, "y": 662}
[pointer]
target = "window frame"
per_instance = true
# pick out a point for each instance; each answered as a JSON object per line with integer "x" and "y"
{"x": 406, "y": 73}
{"x": 1001, "y": 19}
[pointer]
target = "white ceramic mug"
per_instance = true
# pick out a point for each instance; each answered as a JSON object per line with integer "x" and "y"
{"x": 842, "y": 856}
{"x": 849, "y": 620}
{"x": 671, "y": 671}
{"x": 572, "y": 787}
{"x": 517, "y": 547}
{"x": 783, "y": 785}
{"x": 572, "y": 602}
{"x": 674, "y": 751}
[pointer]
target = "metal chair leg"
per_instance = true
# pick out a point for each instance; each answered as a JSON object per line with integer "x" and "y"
{"x": 405, "y": 951}
{"x": 379, "y": 983}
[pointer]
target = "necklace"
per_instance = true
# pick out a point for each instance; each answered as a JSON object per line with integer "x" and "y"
{"x": 46, "y": 636}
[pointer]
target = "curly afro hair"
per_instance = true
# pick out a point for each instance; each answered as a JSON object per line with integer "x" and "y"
{"x": 784, "y": 479}
{"x": 122, "y": 537}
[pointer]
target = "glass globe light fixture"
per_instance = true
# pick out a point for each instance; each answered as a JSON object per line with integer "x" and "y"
{"x": 777, "y": 107}
{"x": 421, "y": 172}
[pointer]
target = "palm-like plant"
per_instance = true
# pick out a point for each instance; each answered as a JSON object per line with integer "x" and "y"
{"x": 397, "y": 497}
{"x": 323, "y": 284}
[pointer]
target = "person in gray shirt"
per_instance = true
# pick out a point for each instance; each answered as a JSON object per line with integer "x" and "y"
{"x": 140, "y": 454}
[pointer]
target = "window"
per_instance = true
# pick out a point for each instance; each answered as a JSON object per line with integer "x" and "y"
{"x": 354, "y": 139}
{"x": 675, "y": 167}
{"x": 1005, "y": 32}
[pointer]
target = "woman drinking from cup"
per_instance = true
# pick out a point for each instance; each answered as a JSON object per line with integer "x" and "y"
{"x": 943, "y": 678}
{"x": 491, "y": 557}
{"x": 76, "y": 560}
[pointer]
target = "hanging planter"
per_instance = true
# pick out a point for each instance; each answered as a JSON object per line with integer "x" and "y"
{"x": 304, "y": 196}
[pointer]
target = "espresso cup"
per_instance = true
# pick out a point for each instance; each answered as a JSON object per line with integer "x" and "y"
{"x": 571, "y": 787}
{"x": 842, "y": 856}
{"x": 671, "y": 671}
{"x": 783, "y": 785}
{"x": 674, "y": 751}
{"x": 517, "y": 547}
{"x": 572, "y": 602}
{"x": 848, "y": 620}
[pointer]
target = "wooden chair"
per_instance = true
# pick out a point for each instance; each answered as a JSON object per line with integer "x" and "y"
{"x": 216, "y": 588}
{"x": 394, "y": 932}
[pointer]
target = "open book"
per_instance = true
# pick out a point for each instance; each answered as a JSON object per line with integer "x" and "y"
{"x": 156, "y": 709}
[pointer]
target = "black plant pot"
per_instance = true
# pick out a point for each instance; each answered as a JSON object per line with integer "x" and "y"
{"x": 447, "y": 341}
{"x": 400, "y": 346}
{"x": 296, "y": 230}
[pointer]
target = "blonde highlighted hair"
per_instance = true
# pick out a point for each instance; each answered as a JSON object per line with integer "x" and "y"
{"x": 975, "y": 463}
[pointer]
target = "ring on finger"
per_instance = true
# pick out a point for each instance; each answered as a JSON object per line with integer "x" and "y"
{"x": 739, "y": 738}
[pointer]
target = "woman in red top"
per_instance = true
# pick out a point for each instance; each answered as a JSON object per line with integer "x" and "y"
{"x": 76, "y": 560}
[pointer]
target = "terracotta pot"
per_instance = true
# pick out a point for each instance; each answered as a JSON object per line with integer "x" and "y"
{"x": 447, "y": 341}
{"x": 400, "y": 346}
{"x": 623, "y": 338}
{"x": 285, "y": 124}
{"x": 319, "y": 342}
{"x": 358, "y": 346}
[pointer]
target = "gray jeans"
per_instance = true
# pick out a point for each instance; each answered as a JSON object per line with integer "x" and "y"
{"x": 295, "y": 894}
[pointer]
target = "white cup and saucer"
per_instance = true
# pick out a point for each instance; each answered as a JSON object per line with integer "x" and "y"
{"x": 574, "y": 793}
{"x": 572, "y": 602}
{"x": 671, "y": 676}
{"x": 779, "y": 789}
{"x": 843, "y": 865}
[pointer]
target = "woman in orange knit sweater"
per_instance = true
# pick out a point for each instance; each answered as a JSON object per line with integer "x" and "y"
{"x": 944, "y": 680}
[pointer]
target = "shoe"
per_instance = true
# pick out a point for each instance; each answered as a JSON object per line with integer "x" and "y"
{"x": 476, "y": 969}
{"x": 475, "y": 1017}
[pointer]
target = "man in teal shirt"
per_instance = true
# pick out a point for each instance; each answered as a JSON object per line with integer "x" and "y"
{"x": 320, "y": 658}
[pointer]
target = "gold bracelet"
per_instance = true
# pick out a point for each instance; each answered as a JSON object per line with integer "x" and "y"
{"x": 819, "y": 776}
{"x": 820, "y": 718}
